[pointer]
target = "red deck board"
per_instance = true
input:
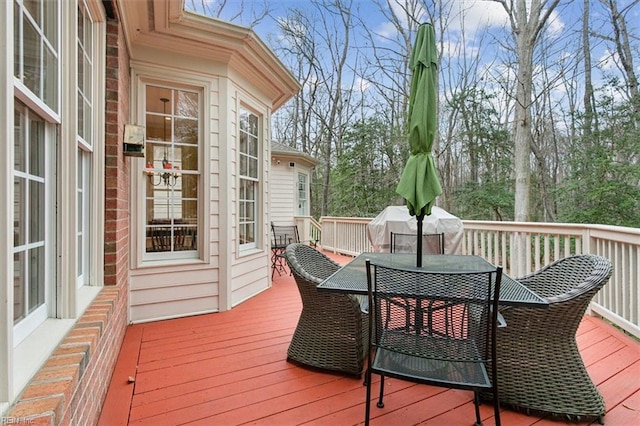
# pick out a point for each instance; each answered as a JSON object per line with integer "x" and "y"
{"x": 115, "y": 410}
{"x": 230, "y": 368}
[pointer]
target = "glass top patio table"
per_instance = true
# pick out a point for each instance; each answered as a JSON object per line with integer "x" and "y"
{"x": 352, "y": 278}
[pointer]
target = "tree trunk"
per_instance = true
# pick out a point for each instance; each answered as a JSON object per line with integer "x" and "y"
{"x": 589, "y": 112}
{"x": 526, "y": 25}
{"x": 621, "y": 38}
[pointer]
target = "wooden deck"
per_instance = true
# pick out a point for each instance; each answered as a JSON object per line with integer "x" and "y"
{"x": 230, "y": 368}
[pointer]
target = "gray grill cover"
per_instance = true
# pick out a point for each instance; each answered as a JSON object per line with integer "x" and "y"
{"x": 397, "y": 219}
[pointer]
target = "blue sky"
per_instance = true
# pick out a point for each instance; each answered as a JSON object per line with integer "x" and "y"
{"x": 484, "y": 23}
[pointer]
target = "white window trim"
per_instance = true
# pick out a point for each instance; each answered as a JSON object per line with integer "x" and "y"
{"x": 141, "y": 76}
{"x": 306, "y": 192}
{"x": 18, "y": 365}
{"x": 244, "y": 101}
{"x": 26, "y": 326}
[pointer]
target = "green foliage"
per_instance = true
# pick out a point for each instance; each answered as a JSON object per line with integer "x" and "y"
{"x": 603, "y": 185}
{"x": 364, "y": 179}
{"x": 488, "y": 201}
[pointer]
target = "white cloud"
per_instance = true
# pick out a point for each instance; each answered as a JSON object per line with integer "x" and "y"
{"x": 555, "y": 25}
{"x": 474, "y": 15}
{"x": 608, "y": 60}
{"x": 360, "y": 85}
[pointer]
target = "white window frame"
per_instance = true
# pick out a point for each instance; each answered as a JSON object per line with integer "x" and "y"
{"x": 258, "y": 179}
{"x": 90, "y": 153}
{"x": 45, "y": 46}
{"x": 35, "y": 318}
{"x": 302, "y": 210}
{"x": 19, "y": 363}
{"x": 151, "y": 259}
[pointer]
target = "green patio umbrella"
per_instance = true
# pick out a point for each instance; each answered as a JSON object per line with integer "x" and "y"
{"x": 419, "y": 184}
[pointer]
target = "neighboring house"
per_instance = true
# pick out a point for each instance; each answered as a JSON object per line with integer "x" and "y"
{"x": 289, "y": 185}
{"x": 94, "y": 239}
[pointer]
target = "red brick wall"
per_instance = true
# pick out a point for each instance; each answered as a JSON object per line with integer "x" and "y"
{"x": 70, "y": 388}
{"x": 116, "y": 249}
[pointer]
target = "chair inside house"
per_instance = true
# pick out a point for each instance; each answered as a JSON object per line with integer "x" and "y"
{"x": 283, "y": 235}
{"x": 407, "y": 350}
{"x": 332, "y": 330}
{"x": 177, "y": 238}
{"x": 407, "y": 243}
{"x": 539, "y": 366}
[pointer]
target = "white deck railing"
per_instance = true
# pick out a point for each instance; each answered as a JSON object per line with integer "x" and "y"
{"x": 524, "y": 247}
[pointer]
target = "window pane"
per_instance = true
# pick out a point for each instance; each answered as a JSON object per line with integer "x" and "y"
{"x": 81, "y": 34}
{"x": 250, "y": 213}
{"x": 33, "y": 8}
{"x": 251, "y": 190}
{"x": 188, "y": 157}
{"x": 189, "y": 211}
{"x": 186, "y": 131}
{"x": 19, "y": 156}
{"x": 189, "y": 184}
{"x": 81, "y": 64}
{"x": 50, "y": 24}
{"x": 154, "y": 101}
{"x": 253, "y": 168}
{"x": 36, "y": 211}
{"x": 19, "y": 279}
{"x": 243, "y": 143}
{"x": 88, "y": 123}
{"x": 250, "y": 235}
{"x": 17, "y": 54}
{"x": 81, "y": 116}
{"x": 253, "y": 124}
{"x": 243, "y": 165}
{"x": 19, "y": 213}
{"x": 253, "y": 146}
{"x": 36, "y": 277}
{"x": 187, "y": 104}
{"x": 31, "y": 43}
{"x": 36, "y": 146}
{"x": 79, "y": 253}
{"x": 50, "y": 76}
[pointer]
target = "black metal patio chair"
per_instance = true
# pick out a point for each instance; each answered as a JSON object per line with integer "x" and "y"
{"x": 282, "y": 236}
{"x": 431, "y": 355}
{"x": 407, "y": 243}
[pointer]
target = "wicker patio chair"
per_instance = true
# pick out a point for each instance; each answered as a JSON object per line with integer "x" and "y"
{"x": 332, "y": 329}
{"x": 539, "y": 366}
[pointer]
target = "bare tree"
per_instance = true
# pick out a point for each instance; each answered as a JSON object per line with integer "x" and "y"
{"x": 589, "y": 109}
{"x": 243, "y": 12}
{"x": 319, "y": 40}
{"x": 527, "y": 19}
{"x": 622, "y": 46}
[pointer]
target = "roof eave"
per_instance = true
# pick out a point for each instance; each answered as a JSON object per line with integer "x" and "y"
{"x": 165, "y": 25}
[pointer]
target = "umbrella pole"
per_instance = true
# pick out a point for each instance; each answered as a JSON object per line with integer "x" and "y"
{"x": 419, "y": 218}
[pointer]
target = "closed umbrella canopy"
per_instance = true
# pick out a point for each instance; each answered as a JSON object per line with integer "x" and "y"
{"x": 419, "y": 184}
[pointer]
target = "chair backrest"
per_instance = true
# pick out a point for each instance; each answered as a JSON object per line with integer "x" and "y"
{"x": 309, "y": 263}
{"x": 405, "y": 305}
{"x": 408, "y": 243}
{"x": 569, "y": 277}
{"x": 283, "y": 235}
{"x": 161, "y": 238}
